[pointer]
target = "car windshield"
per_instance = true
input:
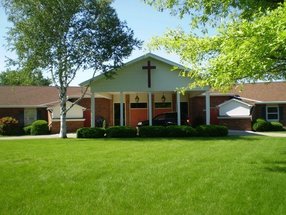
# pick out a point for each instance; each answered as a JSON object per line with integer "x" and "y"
{"x": 160, "y": 117}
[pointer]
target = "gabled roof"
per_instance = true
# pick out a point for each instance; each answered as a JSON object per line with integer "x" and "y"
{"x": 33, "y": 96}
{"x": 265, "y": 92}
{"x": 234, "y": 100}
{"x": 148, "y": 55}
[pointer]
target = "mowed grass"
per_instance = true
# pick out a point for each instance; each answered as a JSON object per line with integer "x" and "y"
{"x": 143, "y": 176}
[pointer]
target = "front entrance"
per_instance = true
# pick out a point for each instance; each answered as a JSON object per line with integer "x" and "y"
{"x": 117, "y": 114}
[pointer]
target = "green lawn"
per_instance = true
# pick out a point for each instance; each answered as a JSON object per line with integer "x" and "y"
{"x": 143, "y": 176}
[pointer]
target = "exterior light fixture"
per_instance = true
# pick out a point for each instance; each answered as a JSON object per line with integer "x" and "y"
{"x": 163, "y": 98}
{"x": 137, "y": 99}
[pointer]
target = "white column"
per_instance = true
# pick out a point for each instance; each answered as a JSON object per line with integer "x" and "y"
{"x": 150, "y": 108}
{"x": 178, "y": 108}
{"x": 208, "y": 115}
{"x": 92, "y": 107}
{"x": 121, "y": 109}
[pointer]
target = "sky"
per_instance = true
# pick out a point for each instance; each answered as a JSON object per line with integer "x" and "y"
{"x": 143, "y": 19}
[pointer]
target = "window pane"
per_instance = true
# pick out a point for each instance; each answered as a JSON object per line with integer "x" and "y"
{"x": 162, "y": 104}
{"x": 272, "y": 109}
{"x": 273, "y": 116}
{"x": 138, "y": 105}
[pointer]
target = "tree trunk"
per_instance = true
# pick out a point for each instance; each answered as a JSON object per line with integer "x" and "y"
{"x": 63, "y": 123}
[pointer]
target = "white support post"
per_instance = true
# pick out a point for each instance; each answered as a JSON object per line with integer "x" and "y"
{"x": 150, "y": 108}
{"x": 178, "y": 108}
{"x": 208, "y": 115}
{"x": 121, "y": 109}
{"x": 92, "y": 115}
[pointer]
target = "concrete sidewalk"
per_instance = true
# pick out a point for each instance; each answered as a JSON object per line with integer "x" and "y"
{"x": 50, "y": 136}
{"x": 252, "y": 133}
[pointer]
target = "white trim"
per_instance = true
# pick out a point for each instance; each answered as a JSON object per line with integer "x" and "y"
{"x": 231, "y": 100}
{"x": 208, "y": 114}
{"x": 272, "y": 102}
{"x": 145, "y": 56}
{"x": 150, "y": 105}
{"x": 68, "y": 120}
{"x": 178, "y": 108}
{"x": 234, "y": 117}
{"x": 278, "y": 115}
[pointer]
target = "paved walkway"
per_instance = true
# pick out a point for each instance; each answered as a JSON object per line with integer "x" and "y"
{"x": 252, "y": 133}
{"x": 230, "y": 133}
{"x": 50, "y": 136}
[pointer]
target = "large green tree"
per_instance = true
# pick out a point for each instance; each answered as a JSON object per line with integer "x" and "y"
{"x": 65, "y": 36}
{"x": 24, "y": 78}
{"x": 249, "y": 46}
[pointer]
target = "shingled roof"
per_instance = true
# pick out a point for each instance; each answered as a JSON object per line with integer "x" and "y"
{"x": 33, "y": 96}
{"x": 263, "y": 92}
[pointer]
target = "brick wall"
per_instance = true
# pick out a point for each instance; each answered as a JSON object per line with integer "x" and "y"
{"x": 72, "y": 126}
{"x": 236, "y": 124}
{"x": 103, "y": 108}
{"x": 197, "y": 106}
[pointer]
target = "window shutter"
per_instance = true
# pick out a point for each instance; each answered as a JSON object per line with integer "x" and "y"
{"x": 281, "y": 117}
{"x": 263, "y": 112}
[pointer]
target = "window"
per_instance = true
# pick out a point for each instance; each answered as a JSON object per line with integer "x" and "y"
{"x": 272, "y": 113}
{"x": 163, "y": 105}
{"x": 138, "y": 105}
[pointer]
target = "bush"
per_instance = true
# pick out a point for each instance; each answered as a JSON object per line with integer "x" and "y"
{"x": 277, "y": 126}
{"x": 10, "y": 126}
{"x": 40, "y": 127}
{"x": 90, "y": 133}
{"x": 211, "y": 131}
{"x": 27, "y": 129}
{"x": 263, "y": 125}
{"x": 153, "y": 131}
{"x": 121, "y": 131}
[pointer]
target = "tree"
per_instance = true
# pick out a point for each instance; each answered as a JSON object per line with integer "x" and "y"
{"x": 249, "y": 47}
{"x": 24, "y": 78}
{"x": 65, "y": 36}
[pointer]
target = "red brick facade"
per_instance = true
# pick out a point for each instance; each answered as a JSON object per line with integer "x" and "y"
{"x": 72, "y": 126}
{"x": 236, "y": 124}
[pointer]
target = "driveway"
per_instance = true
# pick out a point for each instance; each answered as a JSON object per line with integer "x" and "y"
{"x": 252, "y": 133}
{"x": 50, "y": 136}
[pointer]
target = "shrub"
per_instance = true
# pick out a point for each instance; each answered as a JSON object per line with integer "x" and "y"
{"x": 121, "y": 131}
{"x": 153, "y": 131}
{"x": 277, "y": 126}
{"x": 176, "y": 131}
{"x": 10, "y": 126}
{"x": 40, "y": 127}
{"x": 27, "y": 129}
{"x": 212, "y": 131}
{"x": 90, "y": 133}
{"x": 261, "y": 125}
{"x": 190, "y": 131}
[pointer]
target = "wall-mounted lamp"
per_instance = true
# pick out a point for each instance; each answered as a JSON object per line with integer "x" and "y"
{"x": 163, "y": 98}
{"x": 137, "y": 99}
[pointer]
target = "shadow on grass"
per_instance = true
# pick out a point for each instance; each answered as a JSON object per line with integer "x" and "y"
{"x": 276, "y": 166}
{"x": 189, "y": 139}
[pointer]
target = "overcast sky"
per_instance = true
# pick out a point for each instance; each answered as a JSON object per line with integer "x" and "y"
{"x": 143, "y": 19}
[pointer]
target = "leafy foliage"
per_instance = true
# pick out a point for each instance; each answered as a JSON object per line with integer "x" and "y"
{"x": 121, "y": 131}
{"x": 263, "y": 125}
{"x": 64, "y": 36}
{"x": 212, "y": 131}
{"x": 90, "y": 133}
{"x": 23, "y": 78}
{"x": 40, "y": 127}
{"x": 244, "y": 49}
{"x": 10, "y": 126}
{"x": 27, "y": 129}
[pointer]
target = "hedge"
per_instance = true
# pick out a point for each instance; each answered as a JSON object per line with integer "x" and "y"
{"x": 27, "y": 129}
{"x": 263, "y": 125}
{"x": 9, "y": 126}
{"x": 40, "y": 127}
{"x": 90, "y": 133}
{"x": 121, "y": 132}
{"x": 183, "y": 131}
{"x": 211, "y": 131}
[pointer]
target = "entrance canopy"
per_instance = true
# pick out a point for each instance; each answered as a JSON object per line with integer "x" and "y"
{"x": 149, "y": 74}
